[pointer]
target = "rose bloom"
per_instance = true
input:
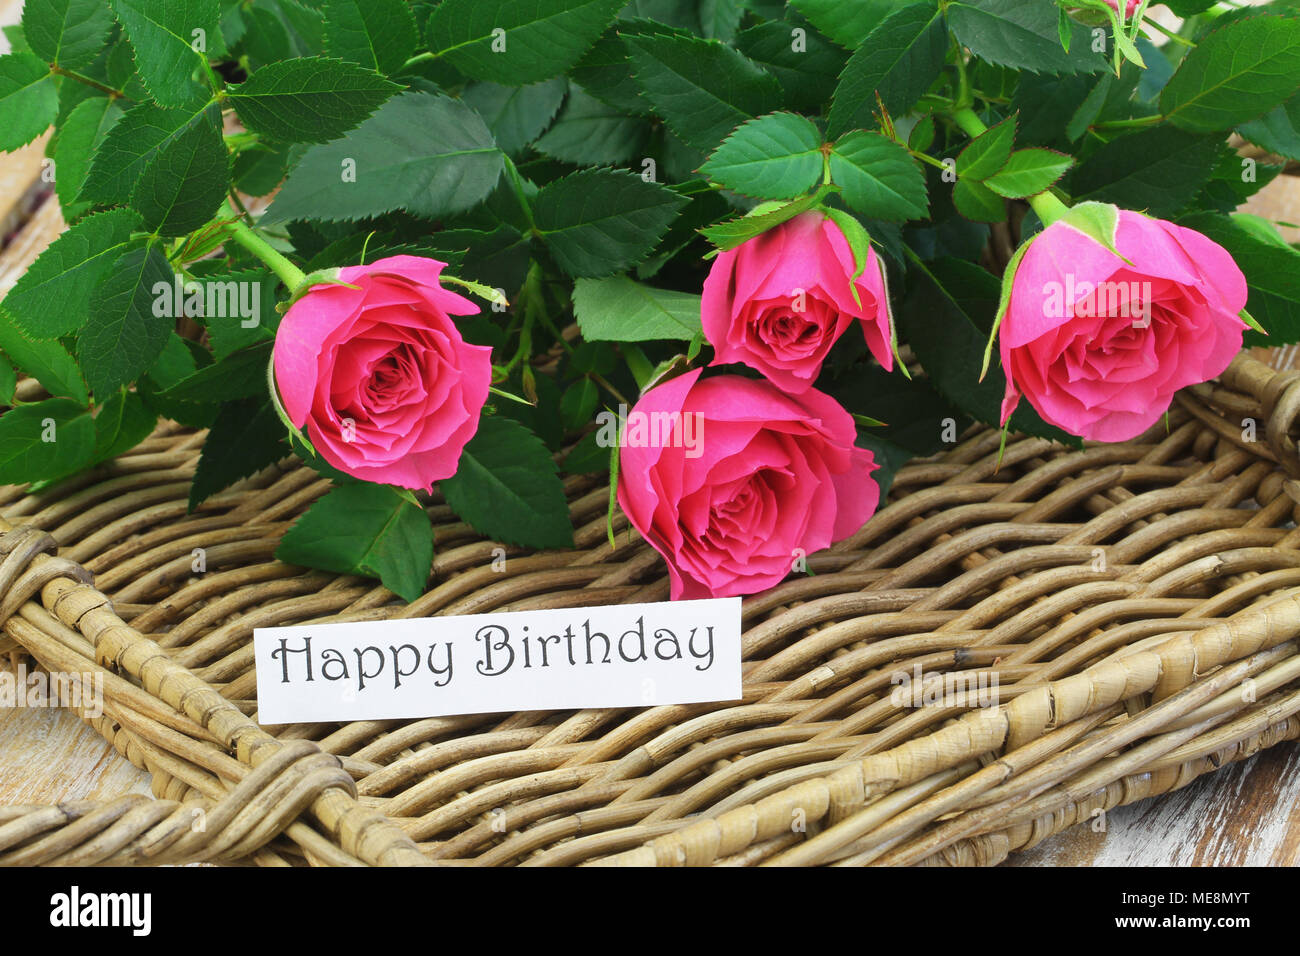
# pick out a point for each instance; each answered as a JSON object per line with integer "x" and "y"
{"x": 1099, "y": 346}
{"x": 779, "y": 301}
{"x": 1129, "y": 8}
{"x": 379, "y": 376}
{"x": 763, "y": 478}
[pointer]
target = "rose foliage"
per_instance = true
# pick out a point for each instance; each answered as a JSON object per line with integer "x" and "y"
{"x": 739, "y": 259}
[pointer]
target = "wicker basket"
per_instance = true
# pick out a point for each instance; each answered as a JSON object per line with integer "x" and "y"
{"x": 1137, "y": 605}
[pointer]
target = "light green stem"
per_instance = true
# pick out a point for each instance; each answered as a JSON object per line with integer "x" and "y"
{"x": 250, "y": 239}
{"x": 1048, "y": 207}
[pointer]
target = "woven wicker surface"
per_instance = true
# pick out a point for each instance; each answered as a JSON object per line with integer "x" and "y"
{"x": 1139, "y": 605}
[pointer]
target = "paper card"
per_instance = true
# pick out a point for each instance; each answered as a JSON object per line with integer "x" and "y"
{"x": 621, "y": 655}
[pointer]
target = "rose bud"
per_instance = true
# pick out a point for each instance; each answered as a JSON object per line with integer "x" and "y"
{"x": 1109, "y": 313}
{"x": 733, "y": 480}
{"x": 379, "y": 376}
{"x": 779, "y": 301}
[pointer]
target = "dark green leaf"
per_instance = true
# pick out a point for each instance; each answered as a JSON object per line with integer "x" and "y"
{"x": 310, "y": 99}
{"x": 620, "y": 310}
{"x": 1278, "y": 130}
{"x": 1234, "y": 74}
{"x": 777, "y": 156}
{"x": 246, "y": 437}
{"x": 808, "y": 67}
{"x": 29, "y": 100}
{"x": 879, "y": 178}
{"x": 53, "y": 296}
{"x": 977, "y": 202}
{"x": 898, "y": 61}
{"x": 46, "y": 361}
{"x": 600, "y": 221}
{"x": 579, "y": 403}
{"x": 8, "y": 382}
{"x": 69, "y": 33}
{"x": 516, "y": 115}
{"x": 422, "y": 152}
{"x": 259, "y": 169}
{"x": 122, "y": 423}
{"x": 166, "y": 35}
{"x": 517, "y": 41}
{"x": 847, "y": 22}
{"x": 1159, "y": 170}
{"x": 79, "y": 139}
{"x": 123, "y": 336}
{"x": 365, "y": 529}
{"x": 241, "y": 374}
{"x": 720, "y": 18}
{"x": 888, "y": 456}
{"x": 379, "y": 34}
{"x": 1022, "y": 34}
{"x": 131, "y": 145}
{"x": 507, "y": 488}
{"x": 988, "y": 152}
{"x": 589, "y": 131}
{"x": 45, "y": 440}
{"x": 184, "y": 183}
{"x": 702, "y": 89}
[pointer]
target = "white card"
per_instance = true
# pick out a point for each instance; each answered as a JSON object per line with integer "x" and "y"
{"x": 618, "y": 655}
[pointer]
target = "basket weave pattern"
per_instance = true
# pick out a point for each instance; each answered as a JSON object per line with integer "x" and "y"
{"x": 1138, "y": 606}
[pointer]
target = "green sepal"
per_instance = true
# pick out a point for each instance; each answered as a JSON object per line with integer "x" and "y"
{"x": 1004, "y": 300}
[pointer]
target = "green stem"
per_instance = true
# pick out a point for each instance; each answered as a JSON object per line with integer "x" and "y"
{"x": 1170, "y": 33}
{"x": 250, "y": 239}
{"x": 95, "y": 84}
{"x": 1133, "y": 123}
{"x": 418, "y": 59}
{"x": 1048, "y": 207}
{"x": 517, "y": 187}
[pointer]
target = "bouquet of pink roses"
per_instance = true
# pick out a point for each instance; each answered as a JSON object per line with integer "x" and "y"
{"x": 747, "y": 257}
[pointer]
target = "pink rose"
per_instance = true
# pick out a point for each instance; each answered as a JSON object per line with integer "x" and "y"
{"x": 1099, "y": 346}
{"x": 732, "y": 480}
{"x": 779, "y": 301}
{"x": 1129, "y": 8}
{"x": 379, "y": 375}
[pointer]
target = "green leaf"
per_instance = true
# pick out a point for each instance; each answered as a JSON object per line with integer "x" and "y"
{"x": 1234, "y": 74}
{"x": 898, "y": 61}
{"x": 1159, "y": 170}
{"x": 309, "y": 100}
{"x": 69, "y": 33}
{"x": 589, "y": 131}
{"x": 507, "y": 488}
{"x": 1023, "y": 35}
{"x": 123, "y": 336}
{"x": 728, "y": 235}
{"x": 777, "y": 156}
{"x": 53, "y": 296}
{"x": 45, "y": 440}
{"x": 1029, "y": 172}
{"x": 888, "y": 456}
{"x": 121, "y": 423}
{"x": 246, "y": 437}
{"x": 184, "y": 183}
{"x": 1097, "y": 220}
{"x": 29, "y": 100}
{"x": 847, "y": 22}
{"x": 936, "y": 318}
{"x": 618, "y": 309}
{"x": 8, "y": 382}
{"x": 422, "y": 152}
{"x": 808, "y": 72}
{"x": 977, "y": 202}
{"x": 720, "y": 18}
{"x": 241, "y": 374}
{"x": 579, "y": 403}
{"x": 261, "y": 168}
{"x": 879, "y": 178}
{"x": 605, "y": 71}
{"x": 1272, "y": 272}
{"x": 517, "y": 41}
{"x": 600, "y": 221}
{"x": 380, "y": 35}
{"x": 988, "y": 152}
{"x": 135, "y": 141}
{"x": 516, "y": 115}
{"x": 79, "y": 139}
{"x": 373, "y": 530}
{"x": 164, "y": 34}
{"x": 46, "y": 361}
{"x": 1278, "y": 130}
{"x": 234, "y": 295}
{"x": 702, "y": 89}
